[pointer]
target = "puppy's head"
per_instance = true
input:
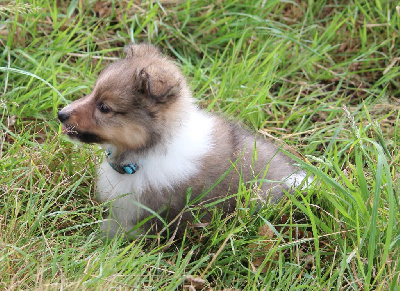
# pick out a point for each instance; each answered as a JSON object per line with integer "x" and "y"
{"x": 132, "y": 103}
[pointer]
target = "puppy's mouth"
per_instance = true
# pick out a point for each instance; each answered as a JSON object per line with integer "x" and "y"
{"x": 83, "y": 136}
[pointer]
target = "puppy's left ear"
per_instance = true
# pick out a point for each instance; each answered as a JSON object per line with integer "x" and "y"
{"x": 159, "y": 85}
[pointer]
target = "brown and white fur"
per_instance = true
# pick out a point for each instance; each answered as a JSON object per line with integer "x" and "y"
{"x": 141, "y": 109}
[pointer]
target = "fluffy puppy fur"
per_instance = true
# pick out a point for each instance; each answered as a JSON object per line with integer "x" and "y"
{"x": 160, "y": 144}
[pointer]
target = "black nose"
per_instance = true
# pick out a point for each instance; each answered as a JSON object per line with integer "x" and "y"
{"x": 62, "y": 116}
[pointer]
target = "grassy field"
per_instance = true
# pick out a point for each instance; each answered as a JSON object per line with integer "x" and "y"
{"x": 321, "y": 76}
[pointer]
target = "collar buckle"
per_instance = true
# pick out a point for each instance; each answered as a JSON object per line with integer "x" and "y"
{"x": 129, "y": 168}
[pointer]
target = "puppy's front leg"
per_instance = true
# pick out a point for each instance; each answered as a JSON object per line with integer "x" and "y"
{"x": 113, "y": 224}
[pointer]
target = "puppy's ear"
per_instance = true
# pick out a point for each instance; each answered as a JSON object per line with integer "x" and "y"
{"x": 140, "y": 50}
{"x": 128, "y": 51}
{"x": 158, "y": 84}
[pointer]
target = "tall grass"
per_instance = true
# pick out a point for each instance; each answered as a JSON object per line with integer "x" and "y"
{"x": 320, "y": 76}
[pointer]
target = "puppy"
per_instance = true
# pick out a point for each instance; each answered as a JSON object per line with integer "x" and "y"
{"x": 161, "y": 148}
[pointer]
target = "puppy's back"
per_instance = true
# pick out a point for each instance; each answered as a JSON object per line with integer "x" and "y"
{"x": 239, "y": 156}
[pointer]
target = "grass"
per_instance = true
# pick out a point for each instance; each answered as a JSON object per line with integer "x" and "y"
{"x": 321, "y": 76}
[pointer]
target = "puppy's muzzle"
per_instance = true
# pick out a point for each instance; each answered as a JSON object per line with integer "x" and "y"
{"x": 62, "y": 116}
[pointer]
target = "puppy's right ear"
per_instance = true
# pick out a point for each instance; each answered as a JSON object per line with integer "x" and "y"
{"x": 129, "y": 51}
{"x": 139, "y": 50}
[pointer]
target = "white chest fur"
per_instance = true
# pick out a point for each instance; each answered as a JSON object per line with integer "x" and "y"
{"x": 175, "y": 164}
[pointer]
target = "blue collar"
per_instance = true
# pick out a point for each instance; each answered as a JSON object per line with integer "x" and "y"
{"x": 129, "y": 168}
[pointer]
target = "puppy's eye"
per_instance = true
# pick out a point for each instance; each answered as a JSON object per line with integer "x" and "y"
{"x": 103, "y": 108}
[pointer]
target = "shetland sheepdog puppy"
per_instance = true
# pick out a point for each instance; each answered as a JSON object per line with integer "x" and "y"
{"x": 160, "y": 146}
